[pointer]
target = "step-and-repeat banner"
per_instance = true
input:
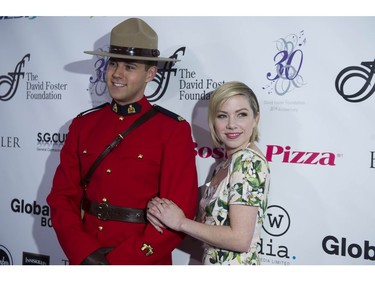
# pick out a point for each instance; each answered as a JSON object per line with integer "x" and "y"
{"x": 314, "y": 77}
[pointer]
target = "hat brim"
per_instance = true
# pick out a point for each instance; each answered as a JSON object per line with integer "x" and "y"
{"x": 107, "y": 54}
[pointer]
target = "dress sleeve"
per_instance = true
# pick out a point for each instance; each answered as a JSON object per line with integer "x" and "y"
{"x": 248, "y": 179}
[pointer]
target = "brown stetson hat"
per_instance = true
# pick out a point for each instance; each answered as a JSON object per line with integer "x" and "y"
{"x": 133, "y": 39}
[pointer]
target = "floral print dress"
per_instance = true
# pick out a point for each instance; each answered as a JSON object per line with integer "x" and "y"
{"x": 246, "y": 183}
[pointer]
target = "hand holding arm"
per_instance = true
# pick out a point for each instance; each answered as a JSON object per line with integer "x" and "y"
{"x": 153, "y": 220}
{"x": 163, "y": 213}
{"x": 236, "y": 237}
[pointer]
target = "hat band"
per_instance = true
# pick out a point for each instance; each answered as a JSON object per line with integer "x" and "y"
{"x": 129, "y": 51}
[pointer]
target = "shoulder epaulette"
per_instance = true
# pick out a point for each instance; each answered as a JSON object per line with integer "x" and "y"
{"x": 169, "y": 113}
{"x": 92, "y": 109}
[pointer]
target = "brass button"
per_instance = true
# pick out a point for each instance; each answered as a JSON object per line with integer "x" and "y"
{"x": 100, "y": 228}
{"x": 84, "y": 152}
{"x": 121, "y": 118}
{"x": 104, "y": 199}
{"x": 109, "y": 171}
{"x": 140, "y": 156}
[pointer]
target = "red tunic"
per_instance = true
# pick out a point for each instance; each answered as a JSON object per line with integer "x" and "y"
{"x": 156, "y": 159}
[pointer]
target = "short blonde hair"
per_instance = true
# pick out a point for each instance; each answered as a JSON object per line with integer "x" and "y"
{"x": 221, "y": 95}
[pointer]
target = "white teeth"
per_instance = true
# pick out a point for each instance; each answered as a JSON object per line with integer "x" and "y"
{"x": 119, "y": 84}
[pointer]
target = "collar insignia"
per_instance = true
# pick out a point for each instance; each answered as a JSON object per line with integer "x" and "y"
{"x": 127, "y": 109}
{"x": 131, "y": 109}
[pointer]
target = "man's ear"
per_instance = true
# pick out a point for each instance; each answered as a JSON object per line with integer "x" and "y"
{"x": 151, "y": 72}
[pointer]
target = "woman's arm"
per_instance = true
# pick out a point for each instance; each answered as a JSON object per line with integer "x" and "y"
{"x": 236, "y": 237}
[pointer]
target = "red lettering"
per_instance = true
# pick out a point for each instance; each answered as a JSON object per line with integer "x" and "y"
{"x": 270, "y": 151}
{"x": 195, "y": 148}
{"x": 311, "y": 158}
{"x": 218, "y": 153}
{"x": 328, "y": 159}
{"x": 206, "y": 152}
{"x": 286, "y": 154}
{"x": 297, "y": 156}
{"x": 300, "y": 157}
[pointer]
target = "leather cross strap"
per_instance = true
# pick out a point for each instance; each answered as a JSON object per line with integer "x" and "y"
{"x": 85, "y": 181}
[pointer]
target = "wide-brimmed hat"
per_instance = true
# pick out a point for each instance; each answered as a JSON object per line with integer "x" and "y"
{"x": 133, "y": 39}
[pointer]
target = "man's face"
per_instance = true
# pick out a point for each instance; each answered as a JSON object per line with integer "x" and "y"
{"x": 127, "y": 79}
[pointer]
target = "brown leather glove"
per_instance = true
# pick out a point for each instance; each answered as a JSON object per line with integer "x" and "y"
{"x": 97, "y": 257}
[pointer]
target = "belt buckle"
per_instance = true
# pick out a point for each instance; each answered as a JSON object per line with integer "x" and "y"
{"x": 103, "y": 211}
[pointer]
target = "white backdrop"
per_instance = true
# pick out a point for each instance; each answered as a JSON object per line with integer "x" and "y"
{"x": 314, "y": 80}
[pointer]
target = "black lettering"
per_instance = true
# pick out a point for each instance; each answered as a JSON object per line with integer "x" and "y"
{"x": 357, "y": 248}
{"x": 332, "y": 249}
{"x": 369, "y": 248}
{"x": 274, "y": 220}
{"x": 15, "y": 205}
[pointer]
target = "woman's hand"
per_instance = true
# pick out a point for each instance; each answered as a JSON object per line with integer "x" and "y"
{"x": 163, "y": 213}
{"x": 151, "y": 205}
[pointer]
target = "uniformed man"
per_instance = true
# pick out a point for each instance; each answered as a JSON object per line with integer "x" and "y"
{"x": 107, "y": 175}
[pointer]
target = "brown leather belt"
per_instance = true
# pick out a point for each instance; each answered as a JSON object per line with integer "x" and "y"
{"x": 105, "y": 211}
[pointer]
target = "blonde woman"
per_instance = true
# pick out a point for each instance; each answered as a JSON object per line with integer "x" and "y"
{"x": 234, "y": 202}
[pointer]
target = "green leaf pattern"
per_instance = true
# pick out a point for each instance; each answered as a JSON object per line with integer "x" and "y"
{"x": 247, "y": 183}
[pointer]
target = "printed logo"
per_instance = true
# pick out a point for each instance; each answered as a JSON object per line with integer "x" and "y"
{"x": 37, "y": 89}
{"x": 47, "y": 141}
{"x": 288, "y": 63}
{"x": 300, "y": 157}
{"x": 207, "y": 152}
{"x": 9, "y": 142}
{"x": 163, "y": 76}
{"x": 353, "y": 83}
{"x": 22, "y": 207}
{"x": 276, "y": 223}
{"x": 340, "y": 247}
{"x": 97, "y": 81}
{"x": 194, "y": 88}
{"x": 10, "y": 82}
{"x": 161, "y": 79}
{"x": 5, "y": 256}
{"x": 34, "y": 259}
